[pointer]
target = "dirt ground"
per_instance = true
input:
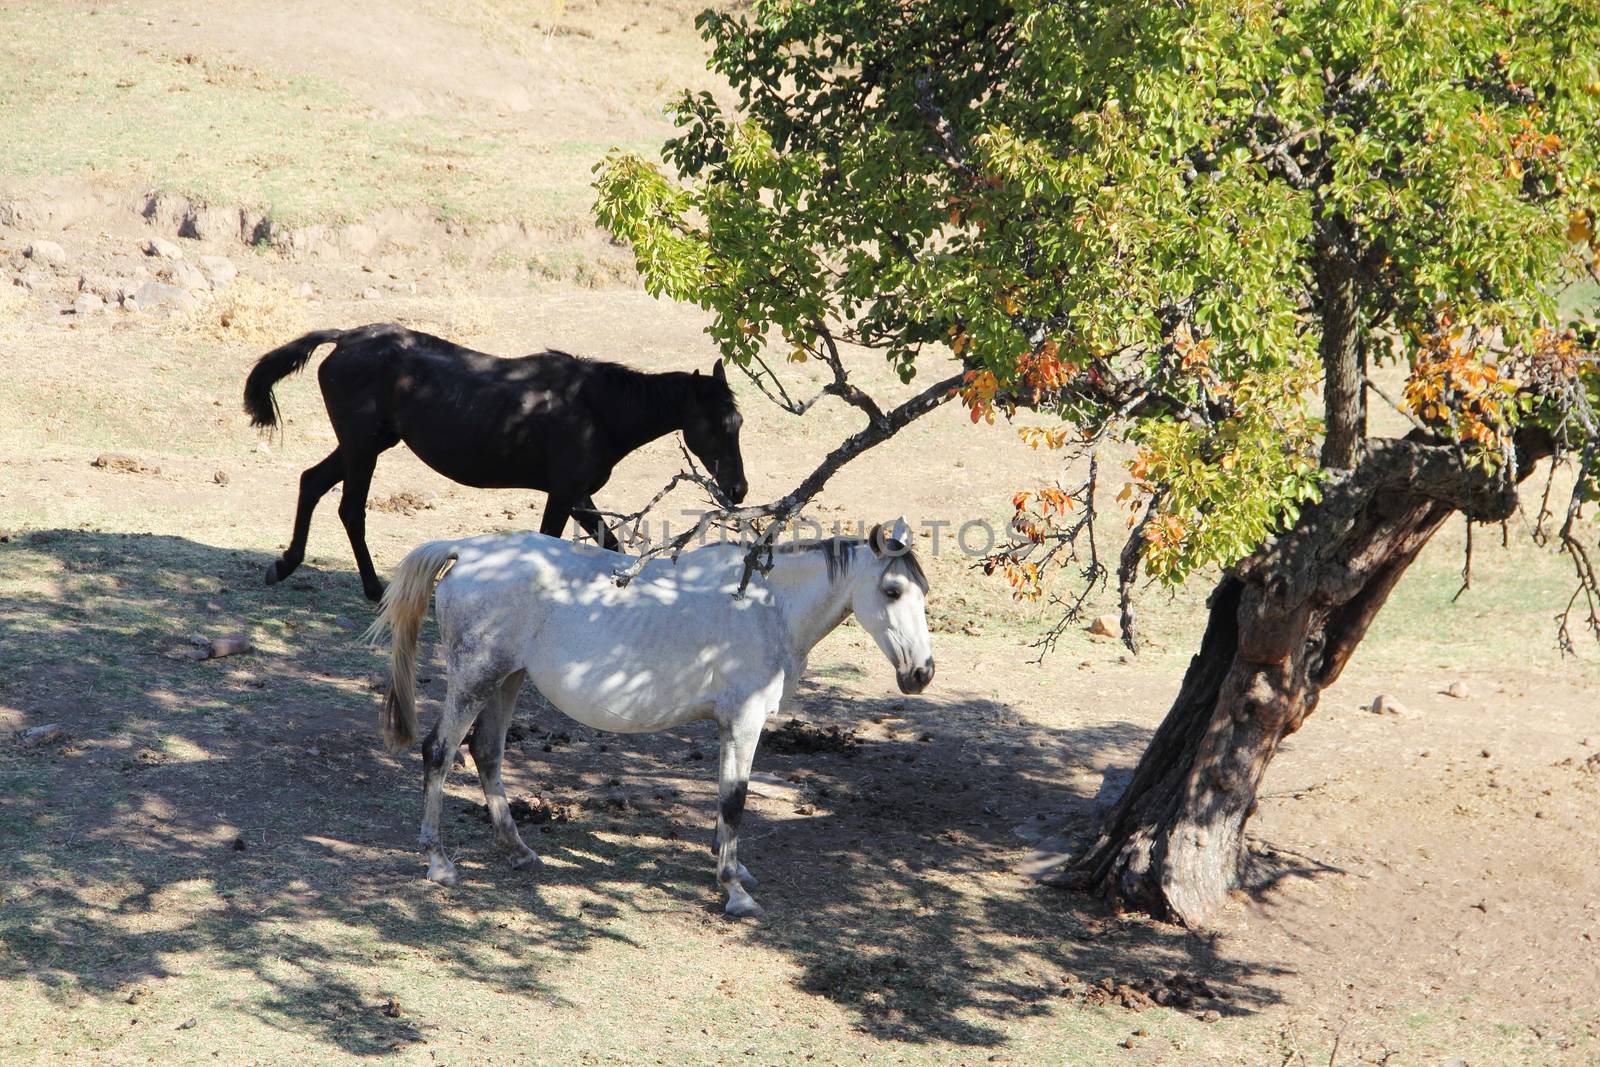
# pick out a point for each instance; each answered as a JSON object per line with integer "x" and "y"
{"x": 215, "y": 860}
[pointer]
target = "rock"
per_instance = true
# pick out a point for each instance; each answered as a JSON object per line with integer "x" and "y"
{"x": 220, "y": 270}
{"x": 206, "y": 223}
{"x": 152, "y": 295}
{"x": 220, "y": 477}
{"x": 121, "y": 461}
{"x": 99, "y": 285}
{"x": 218, "y": 647}
{"x": 370, "y": 293}
{"x": 47, "y": 253}
{"x": 162, "y": 248}
{"x": 1384, "y": 704}
{"x": 41, "y": 735}
{"x": 307, "y": 289}
{"x": 185, "y": 276}
{"x": 1458, "y": 690}
{"x": 771, "y": 785}
{"x": 1106, "y": 626}
{"x": 1210, "y": 1015}
{"x": 31, "y": 280}
{"x": 262, "y": 448}
{"x": 188, "y": 1024}
{"x": 88, "y": 304}
{"x": 1112, "y": 785}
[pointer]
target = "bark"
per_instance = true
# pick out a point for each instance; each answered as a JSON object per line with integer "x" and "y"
{"x": 1344, "y": 371}
{"x": 1281, "y": 629}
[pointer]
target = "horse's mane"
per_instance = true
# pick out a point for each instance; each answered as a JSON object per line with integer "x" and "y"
{"x": 646, "y": 387}
{"x": 837, "y": 552}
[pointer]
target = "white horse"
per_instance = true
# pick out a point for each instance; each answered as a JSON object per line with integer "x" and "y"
{"x": 672, "y": 646}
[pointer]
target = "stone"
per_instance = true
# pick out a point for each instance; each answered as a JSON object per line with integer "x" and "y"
{"x": 1458, "y": 690}
{"x": 185, "y": 276}
{"x": 88, "y": 304}
{"x": 162, "y": 248}
{"x": 46, "y": 252}
{"x": 1384, "y": 704}
{"x": 31, "y": 280}
{"x": 1106, "y": 626}
{"x": 121, "y": 461}
{"x": 41, "y": 735}
{"x": 152, "y": 295}
{"x": 774, "y": 787}
{"x": 206, "y": 223}
{"x": 99, "y": 285}
{"x": 370, "y": 293}
{"x": 220, "y": 270}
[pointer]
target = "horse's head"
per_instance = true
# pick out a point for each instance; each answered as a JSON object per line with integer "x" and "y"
{"x": 890, "y": 601}
{"x": 711, "y": 430}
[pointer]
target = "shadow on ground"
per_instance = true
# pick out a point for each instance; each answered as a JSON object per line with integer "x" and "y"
{"x": 251, "y": 796}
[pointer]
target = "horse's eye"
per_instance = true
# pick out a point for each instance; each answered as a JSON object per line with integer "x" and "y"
{"x": 891, "y": 592}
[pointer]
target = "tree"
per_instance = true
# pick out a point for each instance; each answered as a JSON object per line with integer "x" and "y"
{"x": 1185, "y": 226}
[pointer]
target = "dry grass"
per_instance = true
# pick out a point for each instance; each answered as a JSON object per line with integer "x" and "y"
{"x": 14, "y": 303}
{"x": 458, "y": 315}
{"x": 249, "y": 313}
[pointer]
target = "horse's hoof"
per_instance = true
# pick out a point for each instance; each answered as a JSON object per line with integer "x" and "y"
{"x": 743, "y": 909}
{"x": 528, "y": 862}
{"x": 272, "y": 573}
{"x": 374, "y": 592}
{"x": 443, "y": 874}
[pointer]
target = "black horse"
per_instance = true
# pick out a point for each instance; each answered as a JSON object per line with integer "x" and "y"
{"x": 548, "y": 421}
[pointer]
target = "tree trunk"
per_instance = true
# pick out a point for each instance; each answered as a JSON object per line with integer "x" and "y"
{"x": 1281, "y": 629}
{"x": 1344, "y": 364}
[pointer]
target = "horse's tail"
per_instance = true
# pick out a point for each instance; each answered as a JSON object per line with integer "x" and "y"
{"x": 405, "y": 602}
{"x": 273, "y": 368}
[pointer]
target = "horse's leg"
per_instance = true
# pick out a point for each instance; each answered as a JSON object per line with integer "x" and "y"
{"x": 467, "y": 698}
{"x": 314, "y": 485}
{"x": 488, "y": 749}
{"x": 740, "y": 733}
{"x": 353, "y": 513}
{"x": 588, "y": 517}
{"x": 557, "y": 510}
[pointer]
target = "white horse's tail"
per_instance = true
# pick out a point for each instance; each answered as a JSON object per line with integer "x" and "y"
{"x": 405, "y": 602}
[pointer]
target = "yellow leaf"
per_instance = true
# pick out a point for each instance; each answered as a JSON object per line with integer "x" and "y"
{"x": 1579, "y": 228}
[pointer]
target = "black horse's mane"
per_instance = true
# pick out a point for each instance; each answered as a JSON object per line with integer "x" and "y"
{"x": 649, "y": 387}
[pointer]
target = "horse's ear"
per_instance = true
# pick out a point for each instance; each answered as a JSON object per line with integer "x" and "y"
{"x": 875, "y": 540}
{"x": 885, "y": 543}
{"x": 901, "y": 531}
{"x": 718, "y": 373}
{"x": 696, "y": 373}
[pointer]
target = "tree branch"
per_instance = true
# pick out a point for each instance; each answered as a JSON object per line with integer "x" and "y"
{"x": 780, "y": 511}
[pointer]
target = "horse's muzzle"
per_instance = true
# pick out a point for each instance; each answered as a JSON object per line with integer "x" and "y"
{"x": 736, "y": 491}
{"x": 915, "y": 681}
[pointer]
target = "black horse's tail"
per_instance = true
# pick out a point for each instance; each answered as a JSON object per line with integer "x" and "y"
{"x": 273, "y": 368}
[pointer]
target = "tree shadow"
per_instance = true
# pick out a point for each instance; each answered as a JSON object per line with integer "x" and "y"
{"x": 252, "y": 796}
